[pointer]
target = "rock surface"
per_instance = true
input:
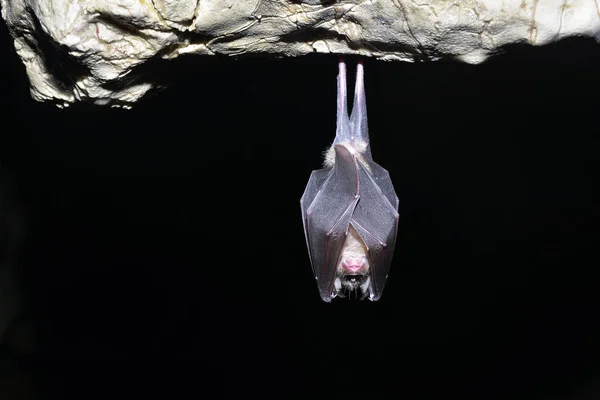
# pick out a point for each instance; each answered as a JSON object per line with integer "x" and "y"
{"x": 92, "y": 50}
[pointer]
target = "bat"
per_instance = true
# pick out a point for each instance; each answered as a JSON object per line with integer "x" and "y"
{"x": 350, "y": 208}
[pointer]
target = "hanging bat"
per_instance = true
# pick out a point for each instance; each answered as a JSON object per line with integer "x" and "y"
{"x": 350, "y": 208}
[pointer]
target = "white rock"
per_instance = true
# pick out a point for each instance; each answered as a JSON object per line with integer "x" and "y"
{"x": 101, "y": 41}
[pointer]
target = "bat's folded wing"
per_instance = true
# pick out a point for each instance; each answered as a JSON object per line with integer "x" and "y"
{"x": 315, "y": 182}
{"x": 327, "y": 217}
{"x": 376, "y": 221}
{"x": 383, "y": 180}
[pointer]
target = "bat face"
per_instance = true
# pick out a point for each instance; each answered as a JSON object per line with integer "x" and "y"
{"x": 350, "y": 208}
{"x": 352, "y": 272}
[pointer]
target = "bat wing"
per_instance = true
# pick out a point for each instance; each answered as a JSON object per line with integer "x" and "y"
{"x": 315, "y": 182}
{"x": 328, "y": 215}
{"x": 375, "y": 219}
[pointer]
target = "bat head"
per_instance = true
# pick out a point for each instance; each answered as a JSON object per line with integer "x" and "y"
{"x": 352, "y": 274}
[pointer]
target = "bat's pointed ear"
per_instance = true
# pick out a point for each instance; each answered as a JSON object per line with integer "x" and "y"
{"x": 358, "y": 119}
{"x": 343, "y": 131}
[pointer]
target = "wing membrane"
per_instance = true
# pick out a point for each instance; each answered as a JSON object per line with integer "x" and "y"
{"x": 328, "y": 218}
{"x": 376, "y": 221}
{"x": 315, "y": 182}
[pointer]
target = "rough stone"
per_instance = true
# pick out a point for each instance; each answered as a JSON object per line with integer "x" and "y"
{"x": 88, "y": 50}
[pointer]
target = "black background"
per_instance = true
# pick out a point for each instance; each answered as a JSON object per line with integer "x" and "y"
{"x": 165, "y": 252}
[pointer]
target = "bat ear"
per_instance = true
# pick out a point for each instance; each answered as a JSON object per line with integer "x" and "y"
{"x": 343, "y": 131}
{"x": 358, "y": 119}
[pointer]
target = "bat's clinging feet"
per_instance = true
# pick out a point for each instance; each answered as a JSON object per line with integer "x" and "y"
{"x": 350, "y": 208}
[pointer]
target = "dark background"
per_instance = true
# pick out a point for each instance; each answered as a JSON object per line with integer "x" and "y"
{"x": 165, "y": 253}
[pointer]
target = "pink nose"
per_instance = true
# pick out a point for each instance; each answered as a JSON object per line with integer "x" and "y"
{"x": 352, "y": 266}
